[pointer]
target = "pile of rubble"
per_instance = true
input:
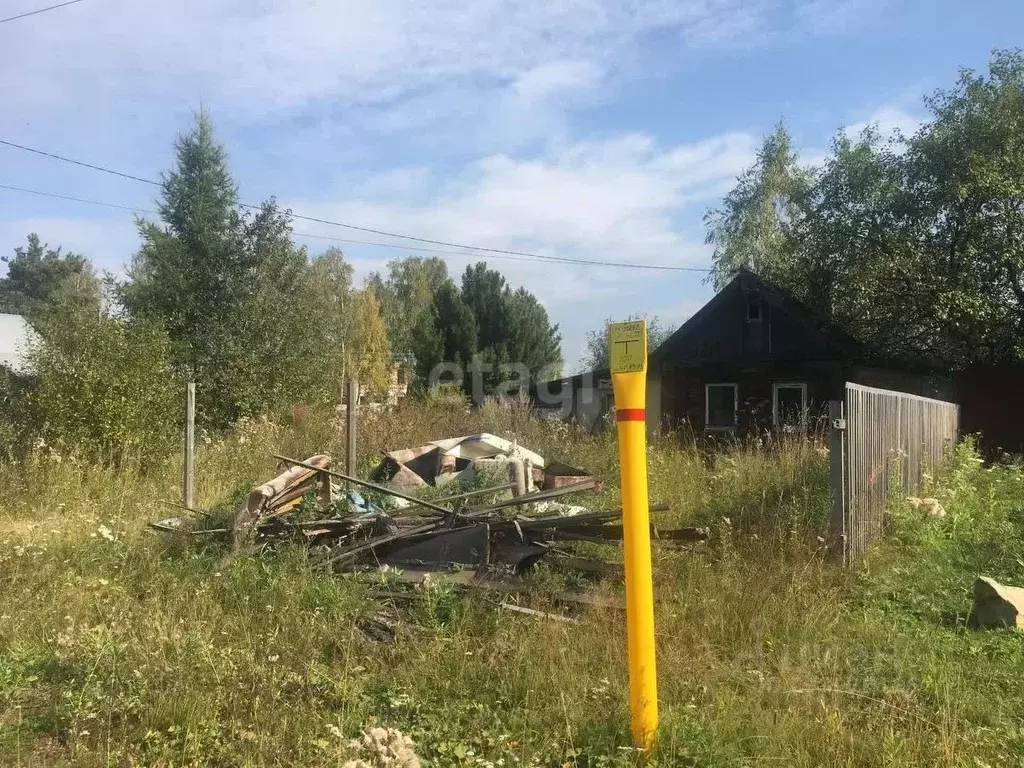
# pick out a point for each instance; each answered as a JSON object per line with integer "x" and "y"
{"x": 484, "y": 534}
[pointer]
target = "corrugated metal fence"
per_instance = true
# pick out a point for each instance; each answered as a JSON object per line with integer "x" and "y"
{"x": 888, "y": 438}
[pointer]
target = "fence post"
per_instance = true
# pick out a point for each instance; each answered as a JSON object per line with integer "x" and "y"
{"x": 189, "y": 474}
{"x": 351, "y": 398}
{"x": 837, "y": 480}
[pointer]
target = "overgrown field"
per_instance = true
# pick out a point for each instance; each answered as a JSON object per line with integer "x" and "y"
{"x": 121, "y": 646}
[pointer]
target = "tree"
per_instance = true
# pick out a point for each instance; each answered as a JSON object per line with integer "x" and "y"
{"x": 105, "y": 389}
{"x": 367, "y": 348}
{"x": 533, "y": 340}
{"x": 752, "y": 227}
{"x": 915, "y": 246}
{"x": 514, "y": 335}
{"x": 966, "y": 172}
{"x": 222, "y": 284}
{"x": 44, "y": 284}
{"x": 406, "y": 298}
{"x": 856, "y": 253}
{"x": 330, "y": 319}
{"x": 596, "y": 356}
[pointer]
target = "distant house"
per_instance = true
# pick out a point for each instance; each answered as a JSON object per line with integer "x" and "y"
{"x": 752, "y": 358}
{"x": 16, "y": 336}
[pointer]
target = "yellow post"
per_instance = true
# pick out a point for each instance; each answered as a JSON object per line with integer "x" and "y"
{"x": 627, "y": 344}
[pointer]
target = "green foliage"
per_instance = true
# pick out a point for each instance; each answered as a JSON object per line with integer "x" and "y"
{"x": 450, "y": 336}
{"x": 45, "y": 285}
{"x": 105, "y": 390}
{"x": 223, "y": 284}
{"x": 406, "y": 299}
{"x": 483, "y": 326}
{"x": 914, "y": 245}
{"x": 753, "y": 226}
{"x": 347, "y": 331}
{"x": 370, "y": 350}
{"x": 327, "y": 296}
{"x": 119, "y": 646}
{"x": 516, "y": 343}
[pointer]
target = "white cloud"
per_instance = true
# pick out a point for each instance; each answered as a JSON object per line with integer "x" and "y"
{"x": 615, "y": 199}
{"x": 889, "y": 121}
{"x": 261, "y": 57}
{"x": 108, "y": 241}
{"x": 323, "y": 94}
{"x": 555, "y": 79}
{"x": 829, "y": 17}
{"x": 624, "y": 199}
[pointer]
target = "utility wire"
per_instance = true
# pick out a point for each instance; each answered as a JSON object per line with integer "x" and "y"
{"x": 78, "y": 162}
{"x": 419, "y": 249}
{"x": 481, "y": 249}
{"x": 74, "y": 199}
{"x": 396, "y": 246}
{"x": 38, "y": 10}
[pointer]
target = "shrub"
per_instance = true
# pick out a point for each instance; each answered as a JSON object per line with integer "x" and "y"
{"x": 105, "y": 389}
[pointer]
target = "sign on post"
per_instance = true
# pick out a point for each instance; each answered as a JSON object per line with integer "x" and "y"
{"x": 627, "y": 353}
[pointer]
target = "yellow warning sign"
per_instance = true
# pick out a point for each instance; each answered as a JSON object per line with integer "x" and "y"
{"x": 627, "y": 346}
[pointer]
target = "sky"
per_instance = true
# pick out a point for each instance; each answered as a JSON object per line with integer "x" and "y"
{"x": 591, "y": 129}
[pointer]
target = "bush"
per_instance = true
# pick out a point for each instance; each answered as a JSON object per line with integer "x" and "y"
{"x": 105, "y": 390}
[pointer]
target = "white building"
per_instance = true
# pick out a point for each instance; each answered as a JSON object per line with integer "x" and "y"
{"x": 16, "y": 336}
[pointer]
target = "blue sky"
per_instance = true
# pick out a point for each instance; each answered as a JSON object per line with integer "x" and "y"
{"x": 598, "y": 129}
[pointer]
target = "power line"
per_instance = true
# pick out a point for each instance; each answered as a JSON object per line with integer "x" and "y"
{"x": 79, "y": 162}
{"x": 383, "y": 233}
{"x": 38, "y": 10}
{"x": 419, "y": 249}
{"x": 74, "y": 199}
{"x": 396, "y": 246}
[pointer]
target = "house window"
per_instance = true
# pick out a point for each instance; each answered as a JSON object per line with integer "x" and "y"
{"x": 789, "y": 403}
{"x": 753, "y": 311}
{"x": 720, "y": 406}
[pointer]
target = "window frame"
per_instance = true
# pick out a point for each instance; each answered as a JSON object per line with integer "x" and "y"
{"x": 735, "y": 405}
{"x": 751, "y": 303}
{"x": 802, "y": 386}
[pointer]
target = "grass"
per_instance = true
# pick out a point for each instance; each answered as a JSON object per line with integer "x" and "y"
{"x": 119, "y": 646}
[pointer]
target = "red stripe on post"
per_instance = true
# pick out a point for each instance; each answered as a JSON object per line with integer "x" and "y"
{"x": 631, "y": 414}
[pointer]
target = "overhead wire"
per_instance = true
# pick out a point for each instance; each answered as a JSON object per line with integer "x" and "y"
{"x": 38, "y": 10}
{"x": 73, "y": 199}
{"x": 396, "y": 246}
{"x": 467, "y": 250}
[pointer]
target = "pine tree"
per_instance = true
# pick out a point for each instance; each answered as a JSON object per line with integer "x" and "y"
{"x": 221, "y": 284}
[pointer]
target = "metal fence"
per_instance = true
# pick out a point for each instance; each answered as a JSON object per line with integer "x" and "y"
{"x": 883, "y": 442}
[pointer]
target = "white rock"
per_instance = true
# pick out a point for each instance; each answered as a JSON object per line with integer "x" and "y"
{"x": 996, "y": 605}
{"x": 931, "y": 507}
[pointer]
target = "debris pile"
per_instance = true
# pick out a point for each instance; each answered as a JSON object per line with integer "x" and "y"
{"x": 457, "y": 537}
{"x": 457, "y": 459}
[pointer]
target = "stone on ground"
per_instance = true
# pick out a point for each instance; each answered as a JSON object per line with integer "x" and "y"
{"x": 996, "y": 605}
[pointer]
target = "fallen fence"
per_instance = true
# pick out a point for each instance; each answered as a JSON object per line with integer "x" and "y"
{"x": 881, "y": 441}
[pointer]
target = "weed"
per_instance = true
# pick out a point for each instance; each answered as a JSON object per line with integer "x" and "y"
{"x": 119, "y": 645}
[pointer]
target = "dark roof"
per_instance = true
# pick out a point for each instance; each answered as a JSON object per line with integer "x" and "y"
{"x": 747, "y": 282}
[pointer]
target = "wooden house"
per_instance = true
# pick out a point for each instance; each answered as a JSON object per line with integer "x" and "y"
{"x": 752, "y": 359}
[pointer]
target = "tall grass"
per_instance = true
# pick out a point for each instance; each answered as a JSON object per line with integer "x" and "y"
{"x": 119, "y": 646}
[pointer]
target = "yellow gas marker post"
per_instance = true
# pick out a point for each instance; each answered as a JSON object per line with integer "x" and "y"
{"x": 627, "y": 344}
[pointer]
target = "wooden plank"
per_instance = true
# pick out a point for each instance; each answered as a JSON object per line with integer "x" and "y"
{"x": 352, "y": 398}
{"x": 538, "y": 614}
{"x": 367, "y": 484}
